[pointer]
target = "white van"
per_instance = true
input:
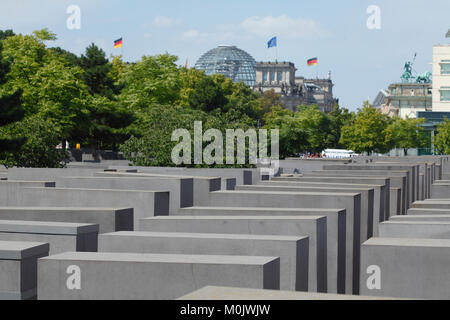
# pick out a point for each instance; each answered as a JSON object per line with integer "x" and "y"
{"x": 339, "y": 154}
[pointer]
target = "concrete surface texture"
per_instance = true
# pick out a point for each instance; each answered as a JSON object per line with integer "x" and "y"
{"x": 226, "y": 293}
{"x": 61, "y": 236}
{"x": 18, "y": 268}
{"x": 130, "y": 276}
{"x": 108, "y": 219}
{"x": 293, "y": 251}
{"x": 338, "y": 226}
{"x": 313, "y": 227}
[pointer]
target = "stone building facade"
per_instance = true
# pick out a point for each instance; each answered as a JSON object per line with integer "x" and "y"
{"x": 281, "y": 78}
{"x": 405, "y": 99}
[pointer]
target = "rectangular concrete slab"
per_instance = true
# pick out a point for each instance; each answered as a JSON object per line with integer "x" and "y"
{"x": 426, "y": 211}
{"x": 18, "y": 269}
{"x": 415, "y": 229}
{"x": 367, "y": 201}
{"x": 406, "y": 268}
{"x": 226, "y": 294}
{"x": 313, "y": 227}
{"x": 201, "y": 185}
{"x": 440, "y": 191}
{"x": 131, "y": 276}
{"x": 412, "y": 168}
{"x": 108, "y": 219}
{"x": 181, "y": 189}
{"x": 398, "y": 179}
{"x": 144, "y": 203}
{"x": 61, "y": 236}
{"x": 350, "y": 201}
{"x": 432, "y": 204}
{"x": 396, "y": 202}
{"x": 378, "y": 203}
{"x": 380, "y": 181}
{"x": 428, "y": 217}
{"x": 293, "y": 251}
{"x": 340, "y": 256}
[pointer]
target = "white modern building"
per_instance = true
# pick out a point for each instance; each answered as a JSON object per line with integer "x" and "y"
{"x": 441, "y": 78}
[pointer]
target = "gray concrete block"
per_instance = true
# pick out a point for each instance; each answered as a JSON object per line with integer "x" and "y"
{"x": 367, "y": 201}
{"x": 426, "y": 211}
{"x": 144, "y": 203}
{"x": 131, "y": 276}
{"x": 412, "y": 168}
{"x": 415, "y": 229}
{"x": 349, "y": 201}
{"x": 384, "y": 184}
{"x": 61, "y": 236}
{"x": 409, "y": 268}
{"x": 240, "y": 176}
{"x": 47, "y": 174}
{"x": 431, "y": 204}
{"x": 396, "y": 202}
{"x": 226, "y": 294}
{"x": 18, "y": 269}
{"x": 108, "y": 219}
{"x": 202, "y": 185}
{"x": 293, "y": 251}
{"x": 398, "y": 179}
{"x": 181, "y": 189}
{"x": 440, "y": 191}
{"x": 379, "y": 198}
{"x": 339, "y": 237}
{"x": 313, "y": 227}
{"x": 427, "y": 217}
{"x": 22, "y": 184}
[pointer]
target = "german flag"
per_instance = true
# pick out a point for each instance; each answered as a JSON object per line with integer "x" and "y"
{"x": 313, "y": 62}
{"x": 118, "y": 43}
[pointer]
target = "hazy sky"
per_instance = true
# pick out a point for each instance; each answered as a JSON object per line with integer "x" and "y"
{"x": 362, "y": 61}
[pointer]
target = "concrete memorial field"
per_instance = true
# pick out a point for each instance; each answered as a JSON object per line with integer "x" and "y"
{"x": 368, "y": 228}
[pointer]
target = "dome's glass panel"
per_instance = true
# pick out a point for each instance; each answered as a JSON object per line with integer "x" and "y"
{"x": 231, "y": 62}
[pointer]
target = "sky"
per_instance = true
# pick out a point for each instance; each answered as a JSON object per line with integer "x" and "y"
{"x": 362, "y": 61}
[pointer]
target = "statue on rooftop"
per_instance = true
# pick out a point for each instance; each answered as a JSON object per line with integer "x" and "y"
{"x": 408, "y": 69}
{"x": 407, "y": 74}
{"x": 424, "y": 77}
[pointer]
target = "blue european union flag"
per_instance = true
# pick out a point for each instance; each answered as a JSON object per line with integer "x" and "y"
{"x": 272, "y": 42}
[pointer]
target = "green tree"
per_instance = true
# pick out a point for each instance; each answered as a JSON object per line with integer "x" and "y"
{"x": 97, "y": 71}
{"x": 317, "y": 126}
{"x": 154, "y": 146}
{"x": 5, "y": 34}
{"x": 207, "y": 96}
{"x": 269, "y": 99}
{"x": 11, "y": 110}
{"x": 51, "y": 87}
{"x": 368, "y": 132}
{"x": 442, "y": 139}
{"x": 108, "y": 120}
{"x": 39, "y": 150}
{"x": 293, "y": 138}
{"x": 339, "y": 117}
{"x": 406, "y": 133}
{"x": 151, "y": 81}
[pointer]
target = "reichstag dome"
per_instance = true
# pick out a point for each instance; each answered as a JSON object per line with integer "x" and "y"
{"x": 231, "y": 62}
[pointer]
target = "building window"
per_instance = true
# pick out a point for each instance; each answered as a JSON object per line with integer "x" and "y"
{"x": 265, "y": 76}
{"x": 394, "y": 91}
{"x": 272, "y": 76}
{"x": 445, "y": 94}
{"x": 280, "y": 76}
{"x": 445, "y": 67}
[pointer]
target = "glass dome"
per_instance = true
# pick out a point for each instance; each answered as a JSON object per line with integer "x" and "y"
{"x": 231, "y": 62}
